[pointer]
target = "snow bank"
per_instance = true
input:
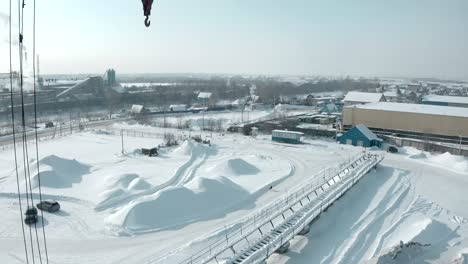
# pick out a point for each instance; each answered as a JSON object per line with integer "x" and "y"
{"x": 234, "y": 167}
{"x": 457, "y": 163}
{"x": 420, "y": 155}
{"x": 57, "y": 172}
{"x": 176, "y": 206}
{"x": 446, "y": 160}
{"x": 404, "y": 253}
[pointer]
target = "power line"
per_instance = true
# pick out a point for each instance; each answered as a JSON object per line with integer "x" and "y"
{"x": 27, "y": 173}
{"x": 14, "y": 142}
{"x": 35, "y": 132}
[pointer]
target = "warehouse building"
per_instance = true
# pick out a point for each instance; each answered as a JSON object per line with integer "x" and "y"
{"x": 419, "y": 121}
{"x": 456, "y": 101}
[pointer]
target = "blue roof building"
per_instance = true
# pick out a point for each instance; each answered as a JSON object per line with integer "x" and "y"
{"x": 360, "y": 135}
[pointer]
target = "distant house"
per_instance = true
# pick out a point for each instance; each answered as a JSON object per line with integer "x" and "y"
{"x": 356, "y": 98}
{"x": 392, "y": 96}
{"x": 205, "y": 99}
{"x": 360, "y": 135}
{"x": 137, "y": 109}
{"x": 316, "y": 100}
{"x": 329, "y": 108}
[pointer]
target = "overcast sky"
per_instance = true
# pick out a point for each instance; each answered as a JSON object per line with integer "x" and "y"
{"x": 409, "y": 38}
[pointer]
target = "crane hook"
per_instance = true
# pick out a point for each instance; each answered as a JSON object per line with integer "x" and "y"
{"x": 147, "y": 22}
{"x": 147, "y": 10}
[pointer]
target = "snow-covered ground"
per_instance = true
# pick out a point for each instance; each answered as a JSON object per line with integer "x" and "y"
{"x": 415, "y": 197}
{"x": 129, "y": 208}
{"x": 215, "y": 119}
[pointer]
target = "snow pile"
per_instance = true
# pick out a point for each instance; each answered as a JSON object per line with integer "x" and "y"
{"x": 119, "y": 187}
{"x": 457, "y": 163}
{"x": 234, "y": 167}
{"x": 57, "y": 172}
{"x": 404, "y": 253}
{"x": 190, "y": 147}
{"x": 462, "y": 257}
{"x": 420, "y": 155}
{"x": 176, "y": 206}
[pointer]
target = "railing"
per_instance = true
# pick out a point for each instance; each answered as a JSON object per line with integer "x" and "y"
{"x": 301, "y": 218}
{"x": 236, "y": 232}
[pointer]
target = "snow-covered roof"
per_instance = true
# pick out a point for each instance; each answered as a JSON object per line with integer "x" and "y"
{"x": 416, "y": 108}
{"x": 137, "y": 109}
{"x": 367, "y": 133}
{"x": 178, "y": 107}
{"x": 204, "y": 95}
{"x": 392, "y": 93}
{"x": 445, "y": 99}
{"x": 363, "y": 97}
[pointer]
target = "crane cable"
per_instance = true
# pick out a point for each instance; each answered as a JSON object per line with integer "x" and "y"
{"x": 35, "y": 132}
{"x": 14, "y": 142}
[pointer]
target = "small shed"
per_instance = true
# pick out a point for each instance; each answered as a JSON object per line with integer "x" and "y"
{"x": 286, "y": 136}
{"x": 360, "y": 135}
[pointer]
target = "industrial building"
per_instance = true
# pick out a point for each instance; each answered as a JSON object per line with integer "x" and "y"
{"x": 456, "y": 101}
{"x": 355, "y": 98}
{"x": 420, "y": 121}
{"x": 360, "y": 135}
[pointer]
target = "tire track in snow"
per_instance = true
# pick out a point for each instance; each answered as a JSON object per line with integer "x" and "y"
{"x": 182, "y": 175}
{"x": 366, "y": 229}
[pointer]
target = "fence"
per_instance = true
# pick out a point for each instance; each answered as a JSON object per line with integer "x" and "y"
{"x": 279, "y": 236}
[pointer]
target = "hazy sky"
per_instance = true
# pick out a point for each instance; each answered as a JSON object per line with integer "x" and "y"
{"x": 420, "y": 38}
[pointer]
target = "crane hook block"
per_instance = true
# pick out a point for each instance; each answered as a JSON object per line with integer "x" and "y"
{"x": 147, "y": 10}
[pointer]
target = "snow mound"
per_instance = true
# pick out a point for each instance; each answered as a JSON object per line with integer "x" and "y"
{"x": 462, "y": 257}
{"x": 119, "y": 187}
{"x": 454, "y": 162}
{"x": 190, "y": 147}
{"x": 127, "y": 181}
{"x": 234, "y": 167}
{"x": 410, "y": 252}
{"x": 419, "y": 155}
{"x": 178, "y": 206}
{"x": 431, "y": 236}
{"x": 57, "y": 172}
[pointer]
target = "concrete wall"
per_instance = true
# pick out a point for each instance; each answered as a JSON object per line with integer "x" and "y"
{"x": 423, "y": 123}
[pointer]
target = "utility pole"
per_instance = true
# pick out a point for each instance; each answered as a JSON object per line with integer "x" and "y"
{"x": 242, "y": 113}
{"x": 460, "y": 146}
{"x": 71, "y": 123}
{"x": 121, "y": 134}
{"x": 203, "y": 121}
